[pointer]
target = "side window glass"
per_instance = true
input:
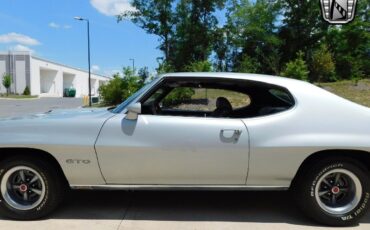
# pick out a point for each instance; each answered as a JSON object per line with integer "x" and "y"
{"x": 204, "y": 101}
{"x": 236, "y": 99}
{"x": 282, "y": 95}
{"x": 187, "y": 99}
{"x": 227, "y": 99}
{"x": 178, "y": 96}
{"x": 154, "y": 97}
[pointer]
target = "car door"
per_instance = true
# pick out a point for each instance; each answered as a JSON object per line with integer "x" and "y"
{"x": 173, "y": 150}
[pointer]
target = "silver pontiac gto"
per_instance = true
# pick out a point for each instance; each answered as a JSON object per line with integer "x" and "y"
{"x": 196, "y": 131}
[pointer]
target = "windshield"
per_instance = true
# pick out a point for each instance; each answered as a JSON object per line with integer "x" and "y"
{"x": 133, "y": 97}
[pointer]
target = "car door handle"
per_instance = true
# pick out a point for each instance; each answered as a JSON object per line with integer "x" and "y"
{"x": 230, "y": 135}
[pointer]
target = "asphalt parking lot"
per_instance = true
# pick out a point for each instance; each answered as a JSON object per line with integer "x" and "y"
{"x": 142, "y": 210}
{"x": 174, "y": 210}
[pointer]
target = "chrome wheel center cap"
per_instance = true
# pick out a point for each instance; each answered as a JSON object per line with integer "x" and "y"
{"x": 335, "y": 190}
{"x": 23, "y": 188}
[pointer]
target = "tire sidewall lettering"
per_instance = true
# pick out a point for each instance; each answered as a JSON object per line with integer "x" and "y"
{"x": 322, "y": 172}
{"x": 362, "y": 206}
{"x": 46, "y": 197}
{"x": 357, "y": 211}
{"x": 46, "y": 182}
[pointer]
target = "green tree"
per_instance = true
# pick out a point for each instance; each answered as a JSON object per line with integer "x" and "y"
{"x": 143, "y": 75}
{"x": 112, "y": 91}
{"x": 221, "y": 46}
{"x": 186, "y": 28}
{"x": 248, "y": 65}
{"x": 302, "y": 28}
{"x": 130, "y": 82}
{"x": 196, "y": 26}
{"x": 252, "y": 27}
{"x": 260, "y": 36}
{"x": 322, "y": 65}
{"x": 350, "y": 44}
{"x": 357, "y": 72}
{"x": 155, "y": 17}
{"x": 200, "y": 66}
{"x": 165, "y": 67}
{"x": 7, "y": 81}
{"x": 120, "y": 88}
{"x": 297, "y": 68}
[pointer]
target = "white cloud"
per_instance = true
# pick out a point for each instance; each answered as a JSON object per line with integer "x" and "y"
{"x": 112, "y": 7}
{"x": 54, "y": 25}
{"x": 95, "y": 68}
{"x": 57, "y": 26}
{"x": 20, "y": 47}
{"x": 18, "y": 38}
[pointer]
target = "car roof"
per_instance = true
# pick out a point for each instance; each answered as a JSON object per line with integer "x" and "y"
{"x": 282, "y": 81}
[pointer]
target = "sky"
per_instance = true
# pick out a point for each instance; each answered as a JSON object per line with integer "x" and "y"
{"x": 48, "y": 30}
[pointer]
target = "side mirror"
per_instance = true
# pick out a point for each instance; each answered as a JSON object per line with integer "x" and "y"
{"x": 133, "y": 111}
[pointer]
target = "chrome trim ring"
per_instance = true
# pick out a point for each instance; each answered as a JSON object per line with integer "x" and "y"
{"x": 22, "y": 188}
{"x": 338, "y": 191}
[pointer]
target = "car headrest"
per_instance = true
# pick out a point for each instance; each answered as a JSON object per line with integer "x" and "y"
{"x": 223, "y": 103}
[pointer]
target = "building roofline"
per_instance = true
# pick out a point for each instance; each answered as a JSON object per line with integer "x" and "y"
{"x": 53, "y": 62}
{"x": 15, "y": 52}
{"x": 64, "y": 65}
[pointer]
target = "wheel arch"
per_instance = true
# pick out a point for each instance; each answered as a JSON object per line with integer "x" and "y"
{"x": 37, "y": 153}
{"x": 361, "y": 156}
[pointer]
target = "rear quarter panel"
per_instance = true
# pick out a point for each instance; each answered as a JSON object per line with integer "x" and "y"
{"x": 319, "y": 121}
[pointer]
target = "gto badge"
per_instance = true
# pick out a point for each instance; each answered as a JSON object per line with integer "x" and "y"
{"x": 338, "y": 11}
{"x": 77, "y": 161}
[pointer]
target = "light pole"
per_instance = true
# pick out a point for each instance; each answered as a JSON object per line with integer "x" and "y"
{"x": 88, "y": 52}
{"x": 133, "y": 64}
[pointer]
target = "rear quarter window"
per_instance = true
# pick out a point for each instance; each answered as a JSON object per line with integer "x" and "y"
{"x": 282, "y": 95}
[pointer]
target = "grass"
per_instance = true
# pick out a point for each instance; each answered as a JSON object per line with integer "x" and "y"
{"x": 359, "y": 93}
{"x": 15, "y": 96}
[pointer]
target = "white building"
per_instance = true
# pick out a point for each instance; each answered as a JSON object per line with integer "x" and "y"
{"x": 44, "y": 77}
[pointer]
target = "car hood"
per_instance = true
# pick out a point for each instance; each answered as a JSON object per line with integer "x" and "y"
{"x": 60, "y": 114}
{"x": 70, "y": 126}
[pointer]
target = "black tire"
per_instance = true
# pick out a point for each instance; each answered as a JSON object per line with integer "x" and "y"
{"x": 52, "y": 194}
{"x": 320, "y": 207}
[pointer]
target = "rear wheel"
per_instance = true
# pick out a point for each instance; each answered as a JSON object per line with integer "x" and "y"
{"x": 334, "y": 191}
{"x": 29, "y": 188}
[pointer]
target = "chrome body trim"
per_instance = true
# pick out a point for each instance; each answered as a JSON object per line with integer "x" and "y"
{"x": 180, "y": 187}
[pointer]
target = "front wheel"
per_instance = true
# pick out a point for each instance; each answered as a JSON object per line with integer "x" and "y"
{"x": 335, "y": 192}
{"x": 29, "y": 188}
